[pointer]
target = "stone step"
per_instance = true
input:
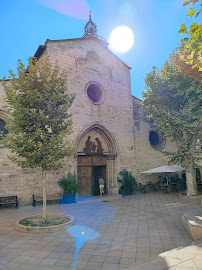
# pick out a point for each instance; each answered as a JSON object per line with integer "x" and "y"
{"x": 192, "y": 222}
{"x": 171, "y": 258}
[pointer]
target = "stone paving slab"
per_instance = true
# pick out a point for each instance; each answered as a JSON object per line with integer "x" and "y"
{"x": 118, "y": 233}
{"x": 189, "y": 257}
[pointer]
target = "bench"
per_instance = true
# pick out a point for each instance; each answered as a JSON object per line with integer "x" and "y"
{"x": 49, "y": 197}
{"x": 6, "y": 200}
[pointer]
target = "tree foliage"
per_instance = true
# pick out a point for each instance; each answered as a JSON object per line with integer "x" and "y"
{"x": 192, "y": 43}
{"x": 38, "y": 104}
{"x": 173, "y": 101}
{"x": 181, "y": 65}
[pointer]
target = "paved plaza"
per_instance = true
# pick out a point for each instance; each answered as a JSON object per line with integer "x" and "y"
{"x": 110, "y": 232}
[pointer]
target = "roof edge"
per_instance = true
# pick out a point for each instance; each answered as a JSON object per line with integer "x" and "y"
{"x": 84, "y": 38}
{"x": 42, "y": 48}
{"x": 136, "y": 98}
{"x": 40, "y": 51}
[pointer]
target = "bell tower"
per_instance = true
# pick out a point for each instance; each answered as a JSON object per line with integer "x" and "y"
{"x": 91, "y": 30}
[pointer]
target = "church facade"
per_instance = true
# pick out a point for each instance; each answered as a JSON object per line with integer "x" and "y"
{"x": 109, "y": 134}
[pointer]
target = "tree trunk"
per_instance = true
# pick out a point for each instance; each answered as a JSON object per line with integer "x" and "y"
{"x": 44, "y": 196}
{"x": 191, "y": 180}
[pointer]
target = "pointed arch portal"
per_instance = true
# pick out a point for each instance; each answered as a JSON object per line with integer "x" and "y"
{"x": 96, "y": 157}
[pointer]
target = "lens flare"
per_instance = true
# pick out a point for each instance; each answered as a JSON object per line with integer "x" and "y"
{"x": 121, "y": 39}
{"x": 80, "y": 238}
{"x": 78, "y": 9}
{"x": 85, "y": 230}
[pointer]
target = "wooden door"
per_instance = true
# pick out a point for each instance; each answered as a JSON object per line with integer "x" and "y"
{"x": 85, "y": 181}
{"x": 85, "y": 166}
{"x": 84, "y": 161}
{"x": 98, "y": 160}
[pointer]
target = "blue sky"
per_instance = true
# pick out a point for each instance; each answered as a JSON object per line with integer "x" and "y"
{"x": 26, "y": 24}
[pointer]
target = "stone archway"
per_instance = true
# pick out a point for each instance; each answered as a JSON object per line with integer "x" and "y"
{"x": 96, "y": 156}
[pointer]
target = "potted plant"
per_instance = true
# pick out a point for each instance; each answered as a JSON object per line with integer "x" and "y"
{"x": 129, "y": 184}
{"x": 70, "y": 188}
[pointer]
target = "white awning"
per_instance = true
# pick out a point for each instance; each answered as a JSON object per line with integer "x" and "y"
{"x": 165, "y": 169}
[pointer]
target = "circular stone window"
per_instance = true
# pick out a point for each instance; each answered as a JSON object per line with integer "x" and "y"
{"x": 95, "y": 93}
{"x": 156, "y": 141}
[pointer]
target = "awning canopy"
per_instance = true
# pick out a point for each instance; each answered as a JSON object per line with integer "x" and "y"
{"x": 165, "y": 169}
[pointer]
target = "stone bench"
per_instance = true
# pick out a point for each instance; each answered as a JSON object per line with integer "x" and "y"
{"x": 6, "y": 200}
{"x": 49, "y": 197}
{"x": 192, "y": 222}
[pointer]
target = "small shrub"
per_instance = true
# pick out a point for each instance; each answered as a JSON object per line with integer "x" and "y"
{"x": 69, "y": 184}
{"x": 129, "y": 184}
{"x": 140, "y": 187}
{"x": 149, "y": 187}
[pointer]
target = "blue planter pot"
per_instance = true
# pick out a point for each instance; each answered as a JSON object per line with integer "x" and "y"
{"x": 68, "y": 198}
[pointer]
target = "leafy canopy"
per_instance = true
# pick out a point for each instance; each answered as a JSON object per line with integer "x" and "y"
{"x": 179, "y": 63}
{"x": 192, "y": 43}
{"x": 38, "y": 104}
{"x": 173, "y": 101}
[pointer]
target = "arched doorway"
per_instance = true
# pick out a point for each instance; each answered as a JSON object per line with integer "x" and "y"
{"x": 96, "y": 157}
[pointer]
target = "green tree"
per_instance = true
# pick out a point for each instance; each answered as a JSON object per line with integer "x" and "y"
{"x": 181, "y": 65}
{"x": 173, "y": 101}
{"x": 192, "y": 43}
{"x": 38, "y": 104}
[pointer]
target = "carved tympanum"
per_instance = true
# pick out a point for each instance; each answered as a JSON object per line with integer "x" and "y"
{"x": 93, "y": 147}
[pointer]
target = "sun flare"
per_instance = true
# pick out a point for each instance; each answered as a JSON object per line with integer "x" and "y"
{"x": 121, "y": 39}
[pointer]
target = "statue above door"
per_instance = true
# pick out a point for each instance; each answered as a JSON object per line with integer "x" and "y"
{"x": 93, "y": 146}
{"x": 92, "y": 143}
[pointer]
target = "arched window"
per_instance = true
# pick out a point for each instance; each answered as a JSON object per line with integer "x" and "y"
{"x": 2, "y": 129}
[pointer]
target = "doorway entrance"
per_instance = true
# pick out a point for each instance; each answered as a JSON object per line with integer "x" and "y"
{"x": 97, "y": 172}
{"x": 90, "y": 168}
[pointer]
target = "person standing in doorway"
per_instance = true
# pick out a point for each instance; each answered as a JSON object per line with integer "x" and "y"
{"x": 101, "y": 185}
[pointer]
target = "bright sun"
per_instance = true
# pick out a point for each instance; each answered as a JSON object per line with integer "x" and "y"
{"x": 121, "y": 39}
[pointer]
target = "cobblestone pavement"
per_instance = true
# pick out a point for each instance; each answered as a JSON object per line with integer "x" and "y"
{"x": 117, "y": 233}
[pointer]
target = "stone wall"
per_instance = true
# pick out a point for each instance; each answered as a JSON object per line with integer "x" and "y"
{"x": 87, "y": 60}
{"x": 146, "y": 156}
